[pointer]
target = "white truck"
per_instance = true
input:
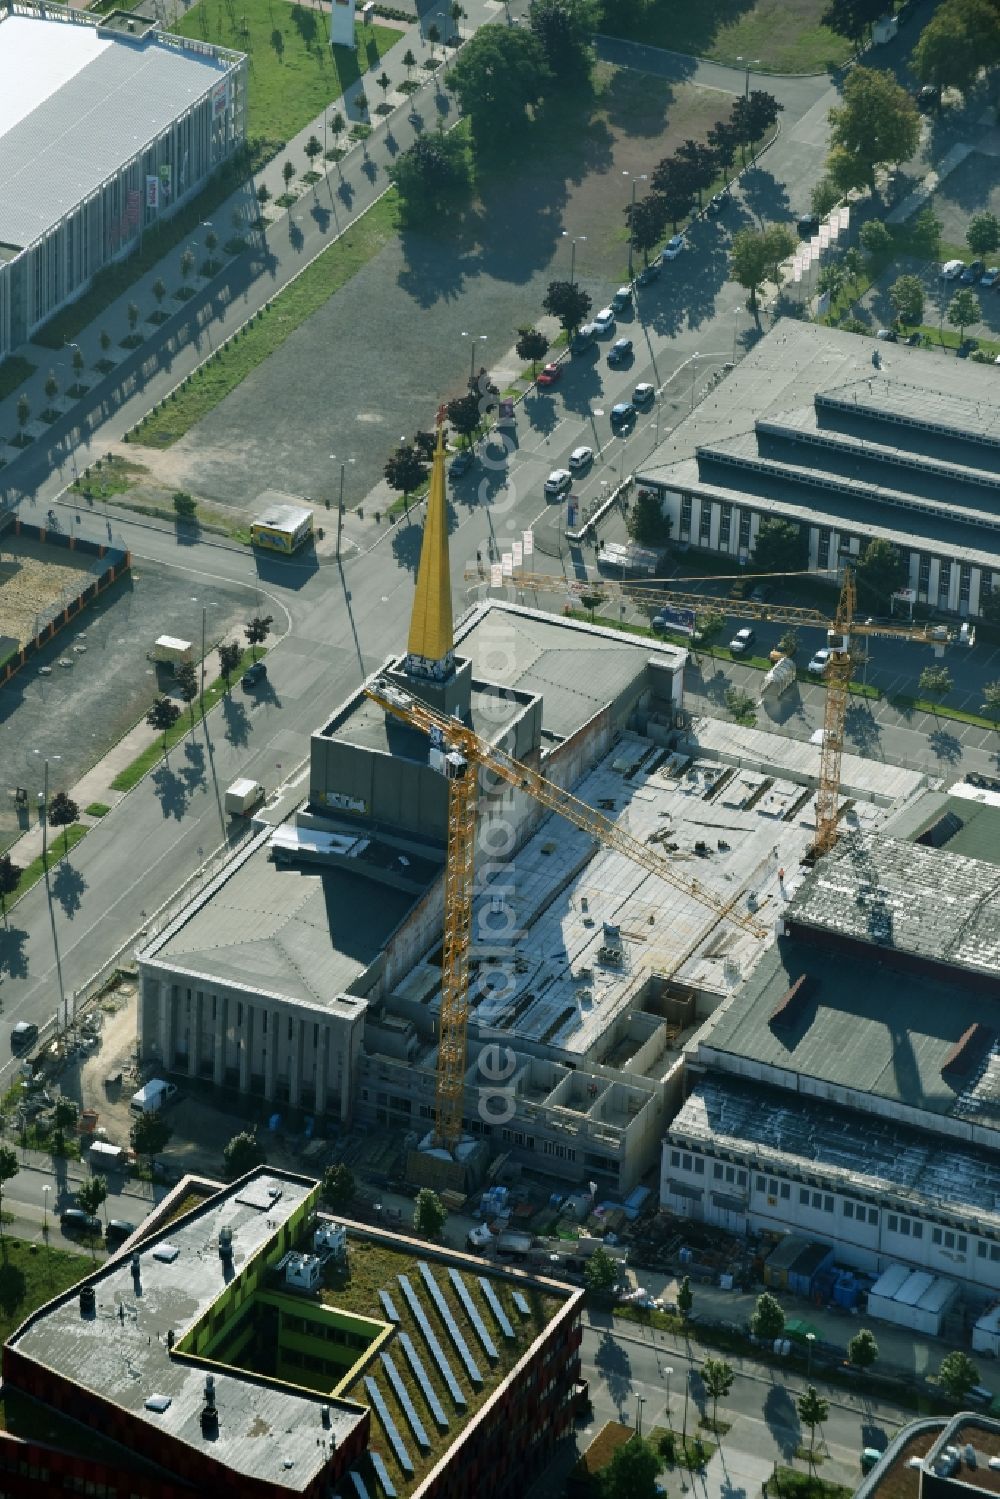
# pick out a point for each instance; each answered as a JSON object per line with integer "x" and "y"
{"x": 170, "y": 650}
{"x": 242, "y": 796}
{"x": 780, "y": 679}
{"x": 104, "y": 1156}
{"x": 152, "y": 1096}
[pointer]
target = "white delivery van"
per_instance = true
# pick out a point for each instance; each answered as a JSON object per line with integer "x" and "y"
{"x": 152, "y": 1096}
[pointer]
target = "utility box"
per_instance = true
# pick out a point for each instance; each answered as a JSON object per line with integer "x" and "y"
{"x": 242, "y": 796}
{"x": 170, "y": 650}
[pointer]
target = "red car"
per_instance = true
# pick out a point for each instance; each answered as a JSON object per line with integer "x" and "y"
{"x": 549, "y": 375}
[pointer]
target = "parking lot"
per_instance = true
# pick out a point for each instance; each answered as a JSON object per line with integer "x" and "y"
{"x": 71, "y": 715}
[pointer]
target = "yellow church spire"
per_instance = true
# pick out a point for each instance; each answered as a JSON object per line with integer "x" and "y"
{"x": 430, "y": 644}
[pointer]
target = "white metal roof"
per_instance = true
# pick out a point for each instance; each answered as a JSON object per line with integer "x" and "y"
{"x": 75, "y": 107}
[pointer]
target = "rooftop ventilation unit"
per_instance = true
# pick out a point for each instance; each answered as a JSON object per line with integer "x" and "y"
{"x": 226, "y": 1242}
{"x": 88, "y": 1301}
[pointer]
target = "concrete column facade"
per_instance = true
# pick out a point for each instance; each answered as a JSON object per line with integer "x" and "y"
{"x": 194, "y": 1039}
{"x": 295, "y": 1063}
{"x": 320, "y": 1074}
{"x": 244, "y": 1041}
{"x": 271, "y": 1059}
{"x": 166, "y": 993}
{"x": 219, "y": 1060}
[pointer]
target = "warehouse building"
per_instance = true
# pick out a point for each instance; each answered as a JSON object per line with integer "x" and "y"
{"x": 106, "y": 125}
{"x": 250, "y": 1346}
{"x": 850, "y": 1089}
{"x": 810, "y": 429}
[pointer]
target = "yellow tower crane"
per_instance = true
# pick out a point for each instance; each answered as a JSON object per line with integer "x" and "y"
{"x": 458, "y": 752}
{"x": 840, "y": 631}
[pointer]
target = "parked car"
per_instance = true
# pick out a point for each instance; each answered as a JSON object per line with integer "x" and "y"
{"x": 914, "y": 340}
{"x": 742, "y": 641}
{"x": 952, "y": 269}
{"x": 715, "y": 205}
{"x": 253, "y": 674}
{"x": 643, "y": 394}
{"x": 622, "y": 299}
{"x": 990, "y": 277}
{"x": 117, "y": 1231}
{"x": 24, "y": 1034}
{"x": 558, "y": 481}
{"x": 549, "y": 375}
{"x": 622, "y": 414}
{"x": 580, "y": 458}
{"x": 620, "y": 352}
{"x": 972, "y": 272}
{"x": 808, "y": 225}
{"x": 604, "y": 321}
{"x": 648, "y": 274}
{"x": 817, "y": 666}
{"x": 461, "y": 463}
{"x": 888, "y": 334}
{"x": 928, "y": 97}
{"x": 76, "y": 1221}
{"x": 761, "y": 593}
{"x": 673, "y": 247}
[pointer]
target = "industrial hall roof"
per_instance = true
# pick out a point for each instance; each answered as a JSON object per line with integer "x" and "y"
{"x": 856, "y": 1030}
{"x": 905, "y": 898}
{"x": 77, "y": 104}
{"x": 807, "y": 426}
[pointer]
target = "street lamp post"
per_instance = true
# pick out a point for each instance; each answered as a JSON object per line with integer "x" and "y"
{"x": 666, "y": 1374}
{"x": 474, "y": 339}
{"x": 636, "y": 177}
{"x": 751, "y": 63}
{"x": 694, "y": 376}
{"x": 640, "y": 1401}
{"x": 44, "y": 810}
{"x": 340, "y": 503}
{"x": 45, "y": 1210}
{"x": 810, "y": 1340}
{"x": 572, "y": 260}
{"x": 204, "y": 613}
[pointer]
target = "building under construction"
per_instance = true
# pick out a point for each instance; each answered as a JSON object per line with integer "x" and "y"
{"x": 325, "y": 968}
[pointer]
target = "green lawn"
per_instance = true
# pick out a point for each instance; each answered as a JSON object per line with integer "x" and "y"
{"x": 30, "y": 1275}
{"x": 779, "y": 36}
{"x": 308, "y": 292}
{"x": 789, "y": 1483}
{"x": 294, "y": 73}
{"x": 153, "y": 754}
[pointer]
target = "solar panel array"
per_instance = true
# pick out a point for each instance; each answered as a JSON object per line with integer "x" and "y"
{"x": 420, "y": 1375}
{"x": 462, "y": 1293}
{"x": 399, "y": 1390}
{"x": 444, "y": 1312}
{"x": 521, "y": 1304}
{"x": 454, "y": 1389}
{"x": 382, "y": 1474}
{"x": 494, "y": 1305}
{"x": 389, "y": 1426}
{"x": 360, "y": 1488}
{"x": 387, "y": 1306}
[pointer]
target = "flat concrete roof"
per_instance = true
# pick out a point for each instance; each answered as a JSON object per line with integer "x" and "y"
{"x": 301, "y": 932}
{"x": 562, "y": 888}
{"x": 365, "y": 724}
{"x": 862, "y": 1027}
{"x": 806, "y": 426}
{"x": 772, "y": 1130}
{"x": 577, "y": 669}
{"x": 77, "y": 104}
{"x": 267, "y": 1430}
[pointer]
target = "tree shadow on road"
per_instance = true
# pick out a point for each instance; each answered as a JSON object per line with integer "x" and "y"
{"x": 170, "y": 791}
{"x": 13, "y": 958}
{"x": 765, "y": 197}
{"x": 615, "y": 1367}
{"x": 862, "y": 727}
{"x": 68, "y": 885}
{"x": 945, "y": 744}
{"x": 783, "y": 1420}
{"x": 237, "y": 721}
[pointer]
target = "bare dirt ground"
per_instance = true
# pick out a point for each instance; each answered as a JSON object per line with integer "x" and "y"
{"x": 35, "y": 581}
